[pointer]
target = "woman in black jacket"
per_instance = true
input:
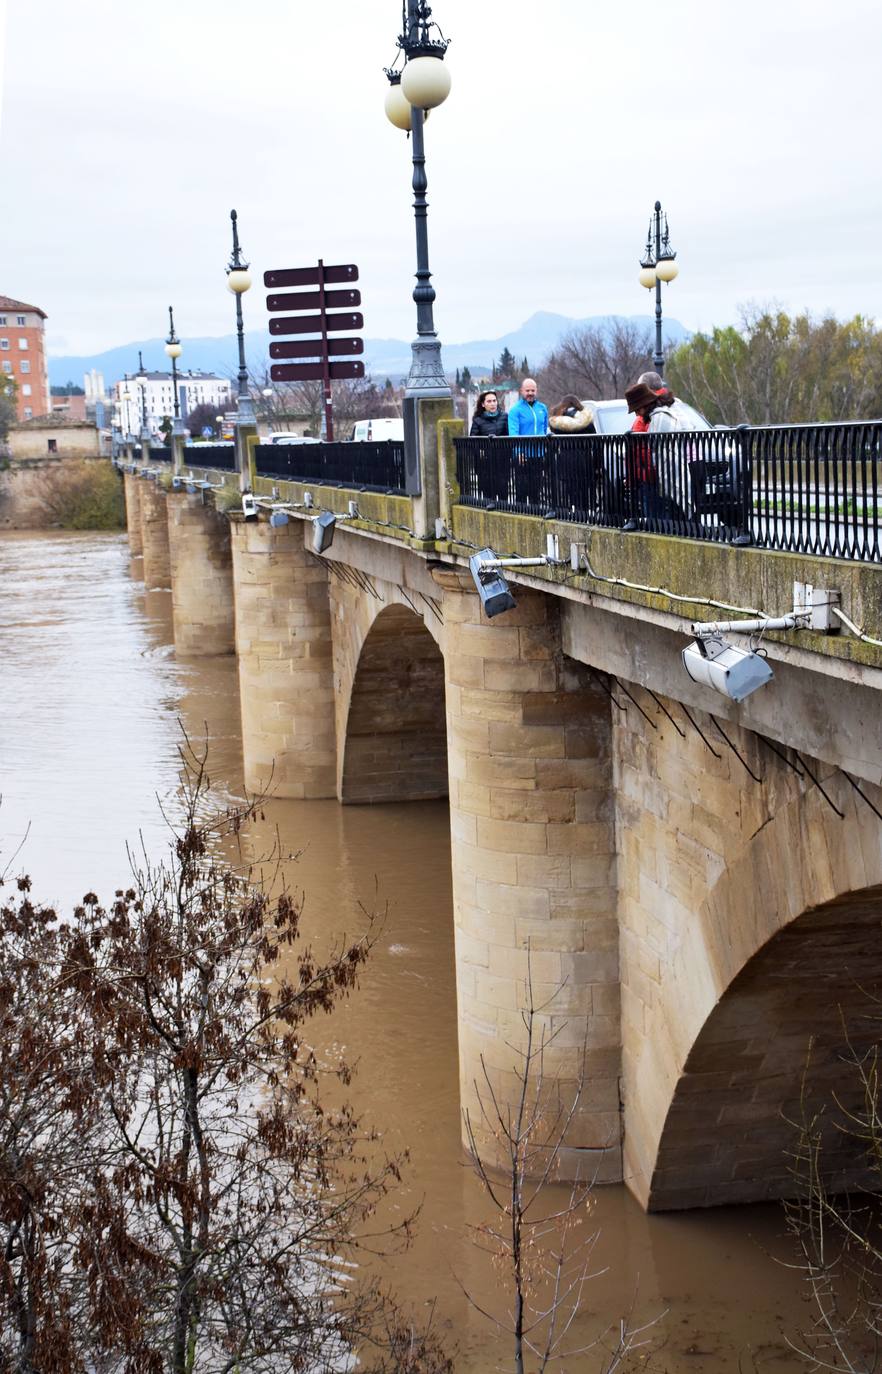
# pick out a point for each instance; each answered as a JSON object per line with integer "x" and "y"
{"x": 491, "y": 464}
{"x": 489, "y": 419}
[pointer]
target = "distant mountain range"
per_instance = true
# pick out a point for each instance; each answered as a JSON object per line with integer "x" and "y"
{"x": 383, "y": 358}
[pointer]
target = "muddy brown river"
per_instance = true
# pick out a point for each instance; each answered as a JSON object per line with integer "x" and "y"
{"x": 93, "y": 704}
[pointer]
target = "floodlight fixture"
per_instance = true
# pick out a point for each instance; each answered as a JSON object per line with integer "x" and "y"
{"x": 713, "y": 662}
{"x": 249, "y": 506}
{"x": 323, "y": 527}
{"x": 491, "y": 584}
{"x": 278, "y": 518}
{"x": 734, "y": 673}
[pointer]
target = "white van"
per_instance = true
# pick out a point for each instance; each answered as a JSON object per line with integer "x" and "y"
{"x": 373, "y": 431}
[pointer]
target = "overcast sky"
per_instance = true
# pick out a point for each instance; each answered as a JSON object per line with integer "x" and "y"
{"x": 128, "y": 131}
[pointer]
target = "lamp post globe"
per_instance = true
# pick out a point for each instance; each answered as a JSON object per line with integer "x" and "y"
{"x": 666, "y": 269}
{"x": 425, "y": 82}
{"x": 398, "y": 108}
{"x": 238, "y": 281}
{"x": 657, "y": 266}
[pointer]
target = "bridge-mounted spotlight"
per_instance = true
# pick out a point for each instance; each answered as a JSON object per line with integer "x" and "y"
{"x": 323, "y": 527}
{"x": 734, "y": 673}
{"x": 307, "y": 500}
{"x": 490, "y": 583}
{"x": 278, "y": 518}
{"x": 712, "y": 662}
{"x": 192, "y": 488}
{"x": 249, "y": 506}
{"x": 177, "y": 483}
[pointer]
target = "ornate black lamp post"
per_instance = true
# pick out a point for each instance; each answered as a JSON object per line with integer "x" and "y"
{"x": 239, "y": 281}
{"x": 656, "y": 266}
{"x": 126, "y": 398}
{"x": 423, "y": 84}
{"x": 174, "y": 349}
{"x": 145, "y": 427}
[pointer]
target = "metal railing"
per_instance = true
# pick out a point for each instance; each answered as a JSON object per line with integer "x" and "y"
{"x": 219, "y": 456}
{"x": 363, "y": 467}
{"x": 803, "y": 488}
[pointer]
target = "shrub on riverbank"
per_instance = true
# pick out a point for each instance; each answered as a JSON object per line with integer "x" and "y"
{"x": 176, "y": 1191}
{"x": 88, "y": 497}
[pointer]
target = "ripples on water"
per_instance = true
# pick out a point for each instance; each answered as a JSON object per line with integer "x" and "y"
{"x": 93, "y": 702}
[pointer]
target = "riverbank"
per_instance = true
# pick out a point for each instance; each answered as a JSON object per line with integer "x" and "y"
{"x": 56, "y": 492}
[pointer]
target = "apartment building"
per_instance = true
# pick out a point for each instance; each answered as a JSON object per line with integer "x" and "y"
{"x": 23, "y": 355}
{"x": 152, "y": 392}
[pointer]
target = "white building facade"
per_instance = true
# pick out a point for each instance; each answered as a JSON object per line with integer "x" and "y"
{"x": 154, "y": 391}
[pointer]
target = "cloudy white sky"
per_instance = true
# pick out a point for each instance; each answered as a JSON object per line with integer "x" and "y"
{"x": 128, "y": 131}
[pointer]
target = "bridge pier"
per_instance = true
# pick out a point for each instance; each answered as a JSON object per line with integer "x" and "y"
{"x": 202, "y": 577}
{"x": 154, "y": 534}
{"x": 131, "y": 488}
{"x": 533, "y": 854}
{"x": 283, "y": 640}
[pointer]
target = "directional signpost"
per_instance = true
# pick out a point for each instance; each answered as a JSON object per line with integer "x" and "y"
{"x": 330, "y": 313}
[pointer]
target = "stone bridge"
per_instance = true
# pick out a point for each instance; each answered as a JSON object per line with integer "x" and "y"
{"x": 697, "y": 884}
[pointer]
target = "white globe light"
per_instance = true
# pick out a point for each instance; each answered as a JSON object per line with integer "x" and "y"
{"x": 397, "y": 108}
{"x": 666, "y": 269}
{"x": 238, "y": 281}
{"x": 425, "y": 82}
{"x": 647, "y": 277}
{"x": 173, "y": 350}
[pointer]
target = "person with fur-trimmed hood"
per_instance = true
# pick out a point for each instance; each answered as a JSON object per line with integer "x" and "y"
{"x": 570, "y": 416}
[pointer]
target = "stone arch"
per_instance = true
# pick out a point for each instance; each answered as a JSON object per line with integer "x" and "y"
{"x": 775, "y": 1047}
{"x": 804, "y": 878}
{"x": 394, "y": 737}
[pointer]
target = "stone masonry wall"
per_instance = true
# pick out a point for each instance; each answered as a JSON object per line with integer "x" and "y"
{"x": 202, "y": 577}
{"x": 533, "y": 866}
{"x": 132, "y": 489}
{"x": 154, "y": 534}
{"x": 283, "y": 640}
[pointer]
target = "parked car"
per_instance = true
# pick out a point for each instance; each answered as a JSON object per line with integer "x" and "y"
{"x": 612, "y": 417}
{"x": 285, "y": 438}
{"x": 370, "y": 431}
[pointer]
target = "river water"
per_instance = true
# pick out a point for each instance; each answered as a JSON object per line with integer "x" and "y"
{"x": 94, "y": 701}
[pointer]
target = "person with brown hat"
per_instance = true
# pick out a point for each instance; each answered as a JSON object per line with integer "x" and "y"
{"x": 641, "y": 476}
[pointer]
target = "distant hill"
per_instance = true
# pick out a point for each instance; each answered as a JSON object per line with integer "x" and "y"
{"x": 534, "y": 339}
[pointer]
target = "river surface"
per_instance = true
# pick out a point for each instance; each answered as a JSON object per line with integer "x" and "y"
{"x": 94, "y": 701}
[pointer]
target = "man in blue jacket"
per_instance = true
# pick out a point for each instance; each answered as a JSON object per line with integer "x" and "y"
{"x": 528, "y": 415}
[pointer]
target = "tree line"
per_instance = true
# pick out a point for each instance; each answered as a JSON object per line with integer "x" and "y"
{"x": 772, "y": 368}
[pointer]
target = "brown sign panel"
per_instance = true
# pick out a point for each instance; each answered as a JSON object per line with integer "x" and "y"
{"x": 312, "y": 348}
{"x": 312, "y": 324}
{"x": 314, "y": 372}
{"x": 309, "y": 276}
{"x": 312, "y": 300}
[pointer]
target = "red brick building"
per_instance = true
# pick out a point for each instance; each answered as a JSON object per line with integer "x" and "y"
{"x": 23, "y": 355}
